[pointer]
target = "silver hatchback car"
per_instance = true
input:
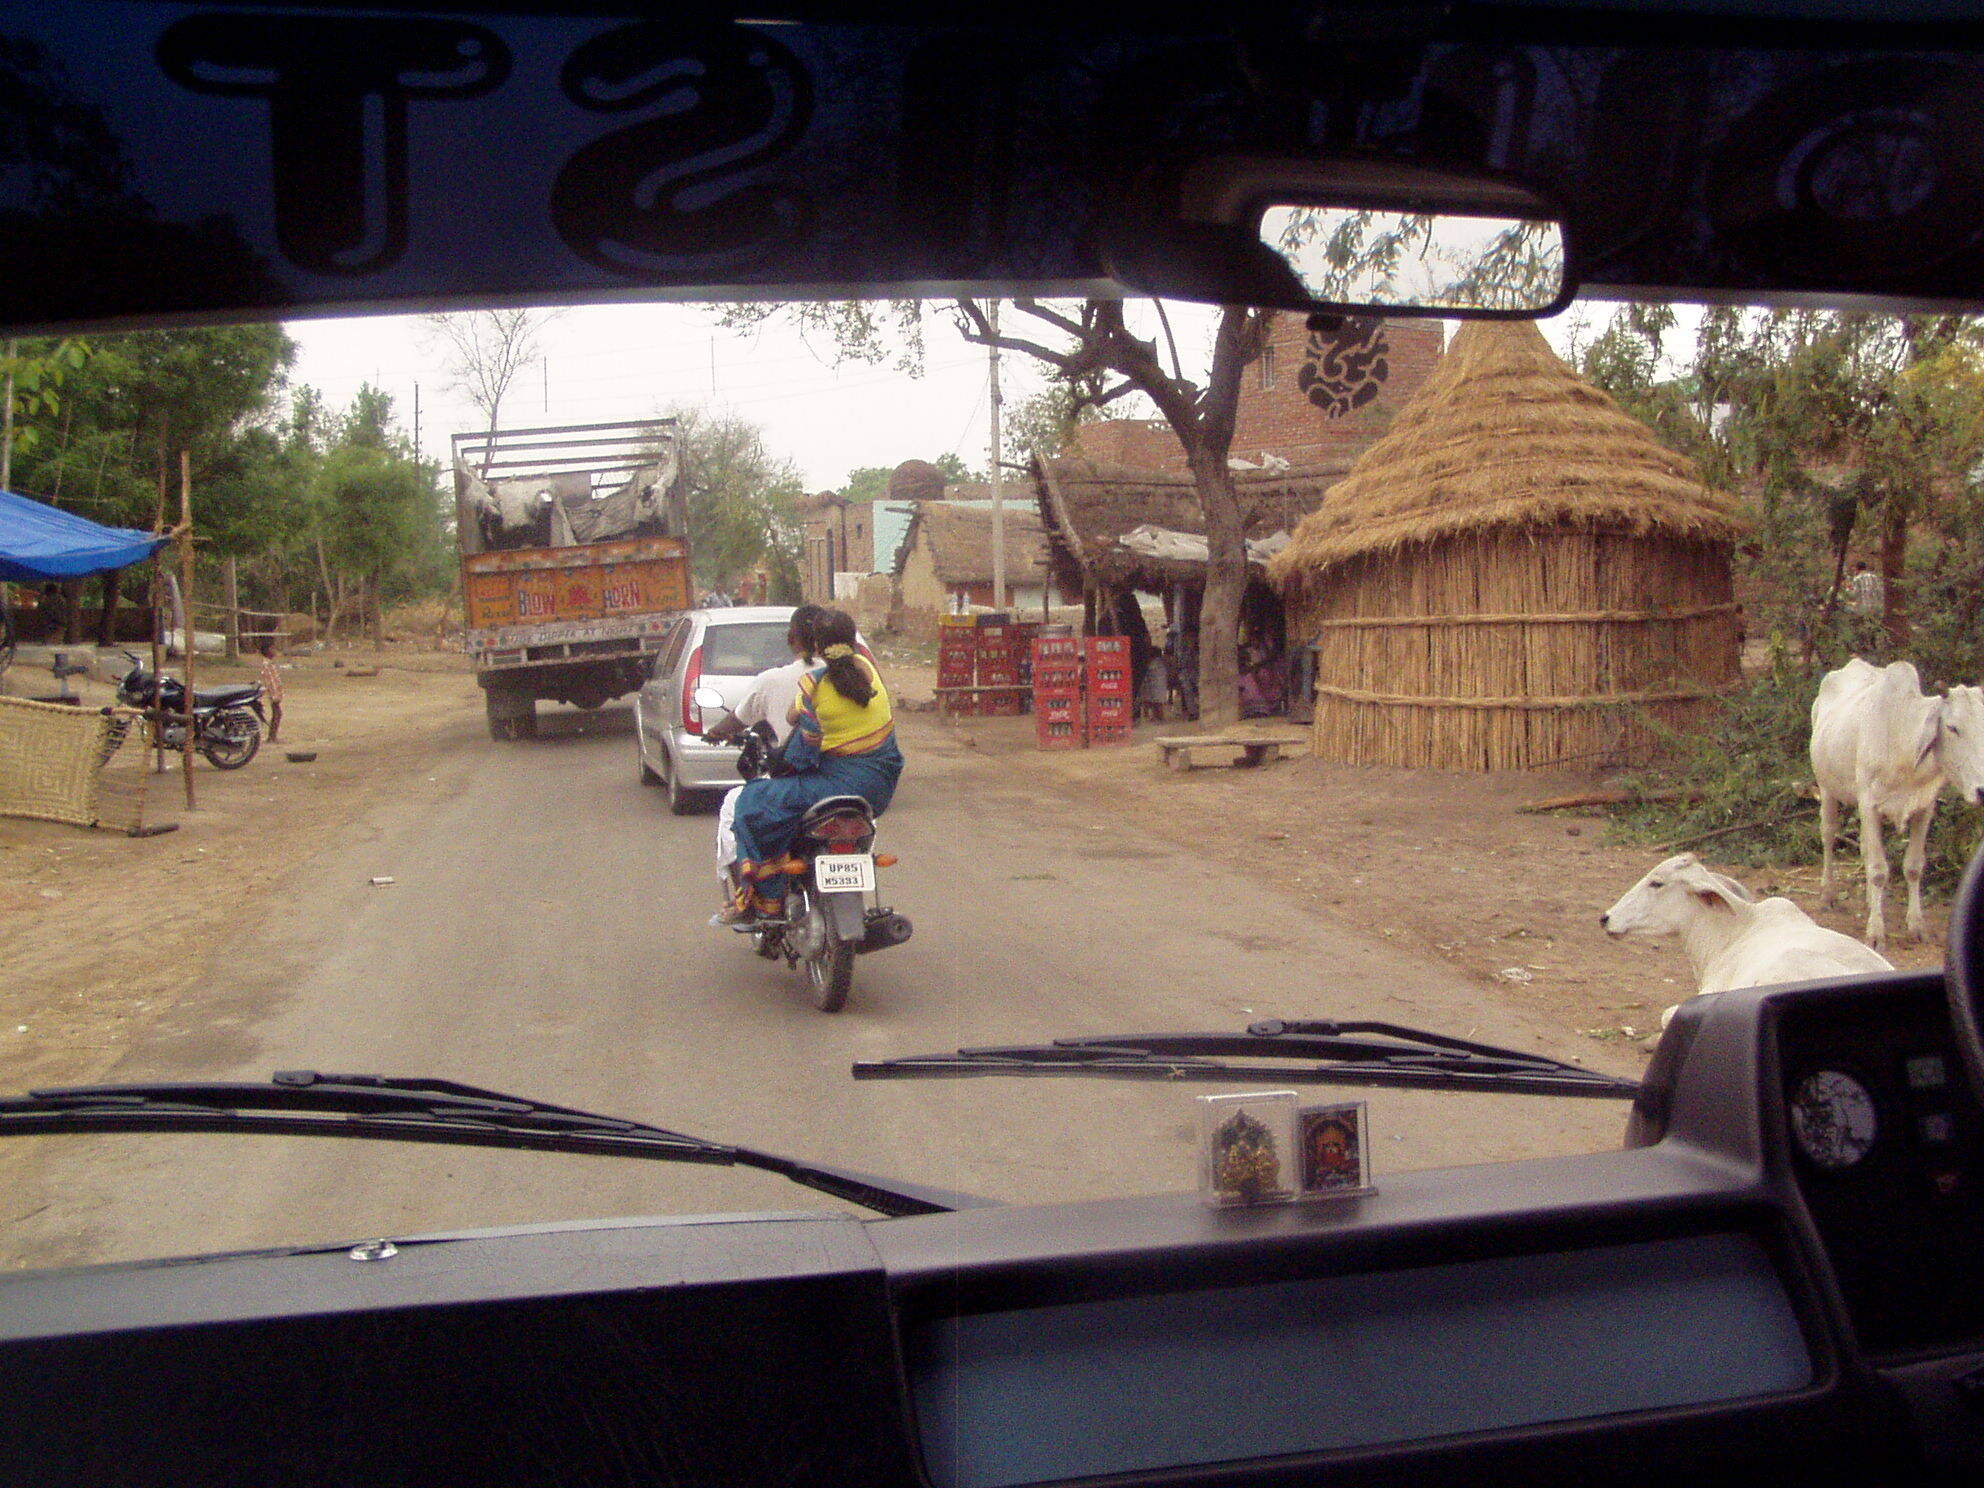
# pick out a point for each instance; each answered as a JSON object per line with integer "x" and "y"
{"x": 722, "y": 648}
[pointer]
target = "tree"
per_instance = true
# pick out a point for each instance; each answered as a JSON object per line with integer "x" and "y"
{"x": 1095, "y": 354}
{"x": 485, "y": 350}
{"x": 742, "y": 500}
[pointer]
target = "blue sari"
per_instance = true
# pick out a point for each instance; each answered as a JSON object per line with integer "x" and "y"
{"x": 769, "y": 810}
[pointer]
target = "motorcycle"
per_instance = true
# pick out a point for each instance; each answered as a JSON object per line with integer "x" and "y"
{"x": 832, "y": 863}
{"x": 227, "y": 721}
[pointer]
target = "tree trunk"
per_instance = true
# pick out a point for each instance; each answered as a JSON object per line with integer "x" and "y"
{"x": 106, "y": 623}
{"x": 1226, "y": 587}
{"x": 1894, "y": 560}
{"x": 72, "y": 604}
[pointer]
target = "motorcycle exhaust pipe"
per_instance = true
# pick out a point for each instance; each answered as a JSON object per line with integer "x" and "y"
{"x": 885, "y": 930}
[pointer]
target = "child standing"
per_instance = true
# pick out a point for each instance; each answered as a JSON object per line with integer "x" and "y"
{"x": 271, "y": 687}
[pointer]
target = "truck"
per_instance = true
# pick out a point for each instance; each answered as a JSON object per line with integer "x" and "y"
{"x": 574, "y": 546}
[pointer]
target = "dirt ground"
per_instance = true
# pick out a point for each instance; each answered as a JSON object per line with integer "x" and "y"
{"x": 103, "y": 931}
{"x": 1443, "y": 863}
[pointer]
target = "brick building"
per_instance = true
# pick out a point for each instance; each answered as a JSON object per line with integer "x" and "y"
{"x": 839, "y": 539}
{"x": 1311, "y": 399}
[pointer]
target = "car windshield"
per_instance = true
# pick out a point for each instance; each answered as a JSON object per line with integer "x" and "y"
{"x": 745, "y": 650}
{"x": 1502, "y": 615}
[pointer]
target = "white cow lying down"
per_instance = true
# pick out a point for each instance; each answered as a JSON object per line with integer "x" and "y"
{"x": 1731, "y": 939}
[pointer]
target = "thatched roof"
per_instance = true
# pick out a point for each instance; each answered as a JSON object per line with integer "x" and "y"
{"x": 1089, "y": 507}
{"x": 1504, "y": 434}
{"x": 961, "y": 543}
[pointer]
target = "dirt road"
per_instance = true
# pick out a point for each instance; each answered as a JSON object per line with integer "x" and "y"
{"x": 543, "y": 933}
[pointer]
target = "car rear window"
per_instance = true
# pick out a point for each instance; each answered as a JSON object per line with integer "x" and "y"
{"x": 745, "y": 650}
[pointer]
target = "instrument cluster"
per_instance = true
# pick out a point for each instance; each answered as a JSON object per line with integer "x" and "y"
{"x": 1882, "y": 1135}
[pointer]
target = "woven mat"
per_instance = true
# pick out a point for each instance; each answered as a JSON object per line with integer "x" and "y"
{"x": 53, "y": 762}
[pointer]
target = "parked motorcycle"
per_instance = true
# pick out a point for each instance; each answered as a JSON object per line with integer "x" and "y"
{"x": 832, "y": 863}
{"x": 227, "y": 721}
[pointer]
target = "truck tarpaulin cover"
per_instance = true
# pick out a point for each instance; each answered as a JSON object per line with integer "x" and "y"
{"x": 39, "y": 542}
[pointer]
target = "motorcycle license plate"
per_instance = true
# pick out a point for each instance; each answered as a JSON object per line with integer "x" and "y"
{"x": 836, "y": 873}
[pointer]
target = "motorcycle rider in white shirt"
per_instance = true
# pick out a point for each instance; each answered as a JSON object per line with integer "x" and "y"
{"x": 769, "y": 701}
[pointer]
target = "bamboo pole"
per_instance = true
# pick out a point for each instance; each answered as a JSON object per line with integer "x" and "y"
{"x": 158, "y": 624}
{"x": 186, "y": 601}
{"x": 231, "y": 595}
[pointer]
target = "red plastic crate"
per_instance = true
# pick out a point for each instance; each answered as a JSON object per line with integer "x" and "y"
{"x": 1108, "y": 712}
{"x": 1109, "y": 678}
{"x": 1057, "y": 679}
{"x": 1100, "y": 647}
{"x": 1002, "y": 705}
{"x": 1102, "y": 735}
{"x": 1057, "y": 709}
{"x": 1060, "y": 734}
{"x": 1045, "y": 647}
{"x": 998, "y": 676}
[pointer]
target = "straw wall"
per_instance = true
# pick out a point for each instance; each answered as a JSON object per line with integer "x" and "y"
{"x": 1504, "y": 650}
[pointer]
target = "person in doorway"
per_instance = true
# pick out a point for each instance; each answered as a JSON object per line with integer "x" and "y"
{"x": 843, "y": 743}
{"x": 271, "y": 685}
{"x": 769, "y": 701}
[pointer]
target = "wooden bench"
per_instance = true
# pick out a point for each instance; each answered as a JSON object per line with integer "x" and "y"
{"x": 1255, "y": 749}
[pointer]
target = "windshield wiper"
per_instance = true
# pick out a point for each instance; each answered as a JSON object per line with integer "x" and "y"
{"x": 1332, "y": 1053}
{"x": 305, "y": 1103}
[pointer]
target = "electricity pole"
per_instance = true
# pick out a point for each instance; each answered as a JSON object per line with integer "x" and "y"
{"x": 998, "y": 479}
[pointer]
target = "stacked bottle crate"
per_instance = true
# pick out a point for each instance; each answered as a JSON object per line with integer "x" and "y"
{"x": 957, "y": 659}
{"x": 999, "y": 652}
{"x": 1059, "y": 721}
{"x": 983, "y": 665}
{"x": 1108, "y": 687}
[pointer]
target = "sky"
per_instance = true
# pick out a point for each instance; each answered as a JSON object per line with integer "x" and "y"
{"x": 636, "y": 361}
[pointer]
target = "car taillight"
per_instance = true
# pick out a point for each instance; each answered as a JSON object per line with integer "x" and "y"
{"x": 692, "y": 716}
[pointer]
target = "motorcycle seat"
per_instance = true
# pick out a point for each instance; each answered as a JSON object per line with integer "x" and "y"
{"x": 820, "y": 810}
{"x": 239, "y": 694}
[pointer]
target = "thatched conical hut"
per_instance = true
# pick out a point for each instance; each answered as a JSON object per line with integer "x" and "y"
{"x": 1517, "y": 575}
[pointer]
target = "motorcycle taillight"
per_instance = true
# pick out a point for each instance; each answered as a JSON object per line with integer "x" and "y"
{"x": 842, "y": 832}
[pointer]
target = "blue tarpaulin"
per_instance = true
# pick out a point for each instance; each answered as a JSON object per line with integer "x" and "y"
{"x": 39, "y": 542}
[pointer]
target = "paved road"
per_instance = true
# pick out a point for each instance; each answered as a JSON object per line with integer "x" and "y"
{"x": 545, "y": 934}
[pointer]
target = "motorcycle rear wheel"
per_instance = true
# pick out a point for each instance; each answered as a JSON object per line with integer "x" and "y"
{"x": 829, "y": 964}
{"x": 231, "y": 743}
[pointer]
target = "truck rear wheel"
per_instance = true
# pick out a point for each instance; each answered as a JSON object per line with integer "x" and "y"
{"x": 511, "y": 715}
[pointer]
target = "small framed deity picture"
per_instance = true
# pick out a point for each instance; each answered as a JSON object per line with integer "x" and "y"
{"x": 1334, "y": 1150}
{"x": 1247, "y": 1151}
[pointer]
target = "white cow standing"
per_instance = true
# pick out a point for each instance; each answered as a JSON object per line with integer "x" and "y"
{"x": 1731, "y": 939}
{"x": 1880, "y": 745}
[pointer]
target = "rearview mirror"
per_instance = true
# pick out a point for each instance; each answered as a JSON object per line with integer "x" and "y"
{"x": 1342, "y": 237}
{"x": 707, "y": 696}
{"x": 1392, "y": 260}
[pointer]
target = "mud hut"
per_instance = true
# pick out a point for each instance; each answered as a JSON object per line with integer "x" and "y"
{"x": 944, "y": 565}
{"x": 1517, "y": 575}
{"x": 1093, "y": 514}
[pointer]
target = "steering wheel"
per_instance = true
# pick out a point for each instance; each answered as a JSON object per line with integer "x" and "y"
{"x": 1964, "y": 973}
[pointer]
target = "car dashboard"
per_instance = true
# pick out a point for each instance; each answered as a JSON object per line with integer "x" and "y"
{"x": 1776, "y": 1276}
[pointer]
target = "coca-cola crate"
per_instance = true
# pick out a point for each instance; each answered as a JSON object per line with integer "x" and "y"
{"x": 1109, "y": 678}
{"x": 1003, "y": 705}
{"x": 1056, "y": 678}
{"x": 1108, "y": 647}
{"x": 1108, "y": 712}
{"x": 1103, "y": 734}
{"x": 1003, "y": 654}
{"x": 1050, "y": 708}
{"x": 1045, "y": 648}
{"x": 998, "y": 676}
{"x": 1060, "y": 733}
